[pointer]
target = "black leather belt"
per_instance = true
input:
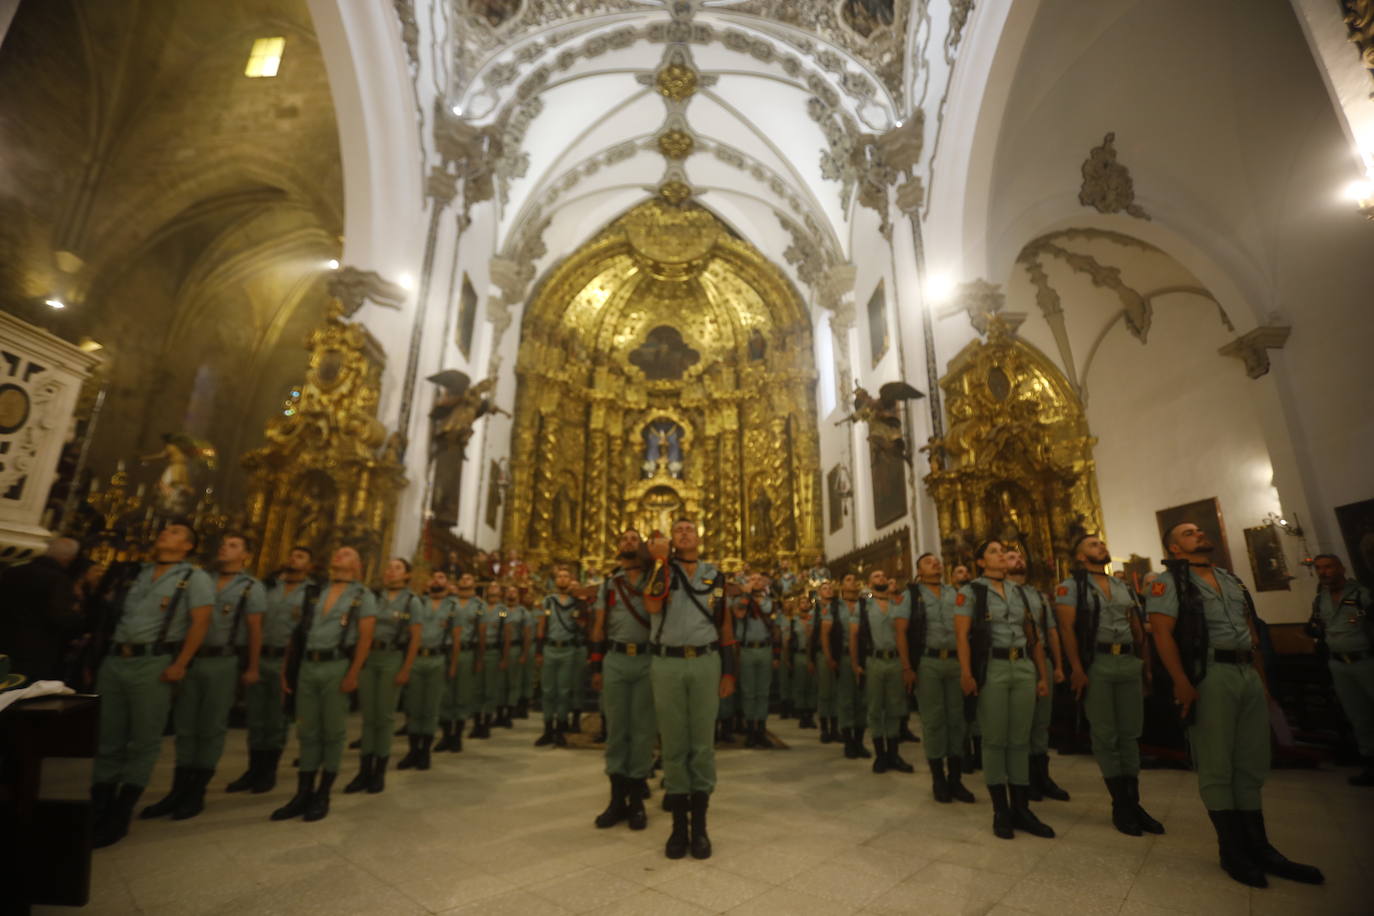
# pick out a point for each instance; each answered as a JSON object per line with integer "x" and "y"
{"x": 379, "y": 645}
{"x": 428, "y": 653}
{"x": 884, "y": 653}
{"x": 271, "y": 652}
{"x": 1115, "y": 648}
{"x": 758, "y": 644}
{"x": 942, "y": 653}
{"x": 560, "y": 643}
{"x": 216, "y": 651}
{"x": 684, "y": 651}
{"x": 323, "y": 655}
{"x": 1233, "y": 656}
{"x": 138, "y": 649}
{"x": 629, "y": 648}
{"x": 1351, "y": 658}
{"x": 1010, "y": 654}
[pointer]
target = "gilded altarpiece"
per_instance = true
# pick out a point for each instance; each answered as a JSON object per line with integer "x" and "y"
{"x": 1016, "y": 462}
{"x": 329, "y": 476}
{"x": 665, "y": 370}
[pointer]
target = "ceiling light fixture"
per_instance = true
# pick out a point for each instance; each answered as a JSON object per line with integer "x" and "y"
{"x": 56, "y": 303}
{"x": 332, "y": 263}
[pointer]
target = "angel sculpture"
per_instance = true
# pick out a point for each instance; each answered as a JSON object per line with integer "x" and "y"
{"x": 451, "y": 419}
{"x": 883, "y": 416}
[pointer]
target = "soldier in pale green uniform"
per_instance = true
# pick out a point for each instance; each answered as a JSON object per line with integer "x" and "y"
{"x": 933, "y": 607}
{"x": 528, "y": 669}
{"x": 487, "y": 665}
{"x": 555, "y": 641}
{"x": 325, "y": 679}
{"x": 824, "y": 606}
{"x": 1104, "y": 639}
{"x": 1042, "y": 785}
{"x": 692, "y": 644}
{"x": 515, "y": 649}
{"x": 395, "y": 640}
{"x": 849, "y": 695}
{"x": 783, "y": 609}
{"x": 620, "y": 671}
{"x": 800, "y": 645}
{"x": 433, "y": 623}
{"x": 1202, "y": 620}
{"x": 577, "y": 694}
{"x": 467, "y": 635}
{"x": 878, "y": 654}
{"x": 756, "y": 629}
{"x": 200, "y": 712}
{"x": 1002, "y": 661}
{"x": 1343, "y": 622}
{"x": 163, "y": 619}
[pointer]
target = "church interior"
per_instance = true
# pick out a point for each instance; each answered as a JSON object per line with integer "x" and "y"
{"x": 480, "y": 284}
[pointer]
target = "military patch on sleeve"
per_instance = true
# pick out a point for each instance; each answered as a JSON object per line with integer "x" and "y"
{"x": 1062, "y": 590}
{"x": 1157, "y": 589}
{"x": 959, "y": 599}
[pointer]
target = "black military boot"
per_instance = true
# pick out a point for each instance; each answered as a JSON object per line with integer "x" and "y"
{"x": 906, "y": 733}
{"x": 636, "y": 790}
{"x": 546, "y": 739}
{"x": 860, "y": 751}
{"x": 115, "y": 825}
{"x": 786, "y": 711}
{"x": 506, "y": 720}
{"x": 1001, "y": 813}
{"x": 806, "y": 721}
{"x": 727, "y": 734}
{"x": 412, "y": 757}
{"x": 560, "y": 734}
{"x": 1147, "y": 823}
{"x": 824, "y": 736}
{"x": 360, "y": 782}
{"x": 751, "y": 735}
{"x": 615, "y": 811}
{"x": 476, "y": 731}
{"x": 102, "y": 799}
{"x": 701, "y": 843}
{"x": 576, "y": 727}
{"x": 446, "y": 732}
{"x": 1124, "y": 818}
{"x": 601, "y": 736}
{"x": 522, "y": 709}
{"x": 975, "y": 755}
{"x": 181, "y": 779}
{"x": 1023, "y": 819}
{"x": 676, "y": 847}
{"x": 377, "y": 784}
{"x": 192, "y": 801}
{"x": 250, "y": 775}
{"x": 1269, "y": 858}
{"x": 305, "y": 785}
{"x": 880, "y": 755}
{"x": 1040, "y": 764}
{"x": 400, "y": 732}
{"x": 426, "y": 742}
{"x": 1233, "y": 851}
{"x": 939, "y": 785}
{"x": 266, "y": 780}
{"x": 1366, "y": 776}
{"x": 954, "y": 776}
{"x": 317, "y": 808}
{"x": 894, "y": 758}
{"x": 355, "y": 744}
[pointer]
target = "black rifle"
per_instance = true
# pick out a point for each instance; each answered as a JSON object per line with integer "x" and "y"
{"x": 296, "y": 652}
{"x": 916, "y": 626}
{"x": 1190, "y": 633}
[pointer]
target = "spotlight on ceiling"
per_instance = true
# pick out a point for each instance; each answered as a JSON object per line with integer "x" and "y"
{"x": 56, "y": 303}
{"x": 332, "y": 263}
{"x": 407, "y": 282}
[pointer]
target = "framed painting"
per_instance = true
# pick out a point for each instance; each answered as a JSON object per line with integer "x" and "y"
{"x": 1357, "y": 530}
{"x": 1206, "y": 514}
{"x": 1265, "y": 546}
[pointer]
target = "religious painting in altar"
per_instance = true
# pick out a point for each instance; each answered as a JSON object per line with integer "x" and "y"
{"x": 665, "y": 371}
{"x": 1206, "y": 514}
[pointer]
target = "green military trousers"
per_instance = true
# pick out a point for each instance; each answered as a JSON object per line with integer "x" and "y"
{"x": 423, "y": 693}
{"x": 885, "y": 696}
{"x": 577, "y": 696}
{"x": 942, "y": 706}
{"x": 1230, "y": 739}
{"x": 490, "y": 681}
{"x": 265, "y": 708}
{"x": 1354, "y": 683}
{"x": 849, "y": 697}
{"x": 730, "y": 706}
{"x": 133, "y": 711}
{"x": 827, "y": 681}
{"x": 628, "y": 700}
{"x": 200, "y": 712}
{"x": 1006, "y": 706}
{"x": 527, "y": 678}
{"x": 783, "y": 676}
{"x": 803, "y": 683}
{"x": 321, "y": 714}
{"x": 377, "y": 698}
{"x": 557, "y": 678}
{"x": 512, "y": 676}
{"x": 463, "y": 689}
{"x": 686, "y": 696}
{"x": 1044, "y": 712}
{"x": 1115, "y": 707}
{"x": 755, "y": 681}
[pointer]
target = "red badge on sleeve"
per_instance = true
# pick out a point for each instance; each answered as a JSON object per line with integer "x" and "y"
{"x": 1157, "y": 589}
{"x": 1062, "y": 590}
{"x": 959, "y": 599}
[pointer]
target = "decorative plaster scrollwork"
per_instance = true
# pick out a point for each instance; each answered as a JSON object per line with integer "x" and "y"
{"x": 982, "y": 300}
{"x": 1107, "y": 185}
{"x": 1359, "y": 19}
{"x": 353, "y": 286}
{"x": 1252, "y": 347}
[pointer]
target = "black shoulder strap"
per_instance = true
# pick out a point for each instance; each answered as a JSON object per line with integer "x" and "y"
{"x": 238, "y": 612}
{"x": 172, "y": 607}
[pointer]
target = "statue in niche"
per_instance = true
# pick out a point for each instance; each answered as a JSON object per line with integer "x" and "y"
{"x": 663, "y": 445}
{"x": 761, "y": 522}
{"x": 664, "y": 355}
{"x": 451, "y": 419}
{"x": 494, "y": 12}
{"x": 868, "y": 16}
{"x": 563, "y": 516}
{"x": 176, "y": 495}
{"x": 758, "y": 347}
{"x": 883, "y": 416}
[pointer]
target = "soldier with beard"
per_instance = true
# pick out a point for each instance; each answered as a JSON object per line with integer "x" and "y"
{"x": 1341, "y": 621}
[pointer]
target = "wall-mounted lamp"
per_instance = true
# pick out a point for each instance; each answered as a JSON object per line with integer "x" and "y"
{"x": 1289, "y": 526}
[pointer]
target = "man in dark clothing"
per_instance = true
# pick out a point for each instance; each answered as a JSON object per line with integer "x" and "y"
{"x": 38, "y": 611}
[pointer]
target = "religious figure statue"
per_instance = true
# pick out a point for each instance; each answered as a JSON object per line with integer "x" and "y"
{"x": 883, "y": 416}
{"x": 663, "y": 442}
{"x": 451, "y": 420}
{"x": 175, "y": 493}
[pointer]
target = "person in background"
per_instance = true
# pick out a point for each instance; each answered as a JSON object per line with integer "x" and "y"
{"x": 38, "y": 612}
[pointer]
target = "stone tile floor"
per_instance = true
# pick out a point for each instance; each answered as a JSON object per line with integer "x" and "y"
{"x": 506, "y": 828}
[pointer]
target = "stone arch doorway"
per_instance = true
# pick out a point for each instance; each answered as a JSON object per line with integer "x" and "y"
{"x": 665, "y": 368}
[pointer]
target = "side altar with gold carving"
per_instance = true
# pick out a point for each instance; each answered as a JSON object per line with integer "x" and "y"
{"x": 329, "y": 475}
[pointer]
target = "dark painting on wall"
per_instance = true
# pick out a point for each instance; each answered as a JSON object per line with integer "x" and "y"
{"x": 889, "y": 486}
{"x": 494, "y": 493}
{"x": 467, "y": 317}
{"x": 877, "y": 323}
{"x": 1357, "y": 528}
{"x": 1266, "y": 559}
{"x": 1206, "y": 514}
{"x": 835, "y": 481}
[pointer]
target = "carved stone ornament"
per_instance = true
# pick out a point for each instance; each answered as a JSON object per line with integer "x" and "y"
{"x": 983, "y": 300}
{"x": 675, "y": 144}
{"x": 353, "y": 286}
{"x": 1359, "y": 19}
{"x": 1252, "y": 348}
{"x": 1107, "y": 185}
